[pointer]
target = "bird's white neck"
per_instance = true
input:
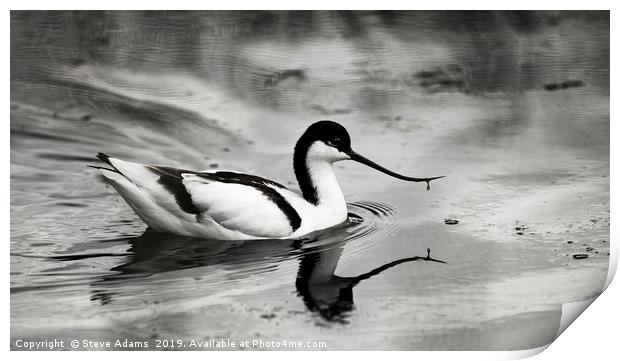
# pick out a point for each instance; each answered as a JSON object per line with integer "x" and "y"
{"x": 315, "y": 174}
{"x": 328, "y": 191}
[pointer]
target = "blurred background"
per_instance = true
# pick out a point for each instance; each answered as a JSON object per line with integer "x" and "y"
{"x": 290, "y": 58}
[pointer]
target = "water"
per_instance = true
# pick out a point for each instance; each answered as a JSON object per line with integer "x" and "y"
{"x": 527, "y": 175}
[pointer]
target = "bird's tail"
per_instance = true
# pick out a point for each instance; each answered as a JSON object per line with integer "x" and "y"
{"x": 104, "y": 158}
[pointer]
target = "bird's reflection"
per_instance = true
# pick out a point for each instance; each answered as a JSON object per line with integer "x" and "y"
{"x": 324, "y": 293}
{"x": 327, "y": 294}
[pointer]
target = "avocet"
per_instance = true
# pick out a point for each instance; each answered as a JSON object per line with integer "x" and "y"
{"x": 236, "y": 206}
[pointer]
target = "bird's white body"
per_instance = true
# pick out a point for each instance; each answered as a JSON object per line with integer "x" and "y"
{"x": 229, "y": 210}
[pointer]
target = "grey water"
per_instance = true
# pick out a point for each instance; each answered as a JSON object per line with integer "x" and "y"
{"x": 513, "y": 107}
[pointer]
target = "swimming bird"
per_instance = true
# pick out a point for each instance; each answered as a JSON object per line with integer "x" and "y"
{"x": 230, "y": 205}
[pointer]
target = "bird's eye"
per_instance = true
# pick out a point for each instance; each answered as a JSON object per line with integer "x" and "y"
{"x": 333, "y": 142}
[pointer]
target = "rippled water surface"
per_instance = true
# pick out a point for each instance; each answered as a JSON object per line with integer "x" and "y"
{"x": 512, "y": 108}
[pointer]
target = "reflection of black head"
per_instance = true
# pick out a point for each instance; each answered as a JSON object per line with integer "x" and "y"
{"x": 335, "y": 311}
{"x": 330, "y": 295}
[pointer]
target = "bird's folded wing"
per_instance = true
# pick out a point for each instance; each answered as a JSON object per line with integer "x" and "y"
{"x": 249, "y": 208}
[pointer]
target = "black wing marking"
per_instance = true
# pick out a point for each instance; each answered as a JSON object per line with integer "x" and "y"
{"x": 172, "y": 180}
{"x": 262, "y": 185}
{"x": 242, "y": 178}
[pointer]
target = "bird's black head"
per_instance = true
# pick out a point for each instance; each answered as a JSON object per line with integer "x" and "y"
{"x": 323, "y": 141}
{"x": 327, "y": 141}
{"x": 330, "y": 133}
